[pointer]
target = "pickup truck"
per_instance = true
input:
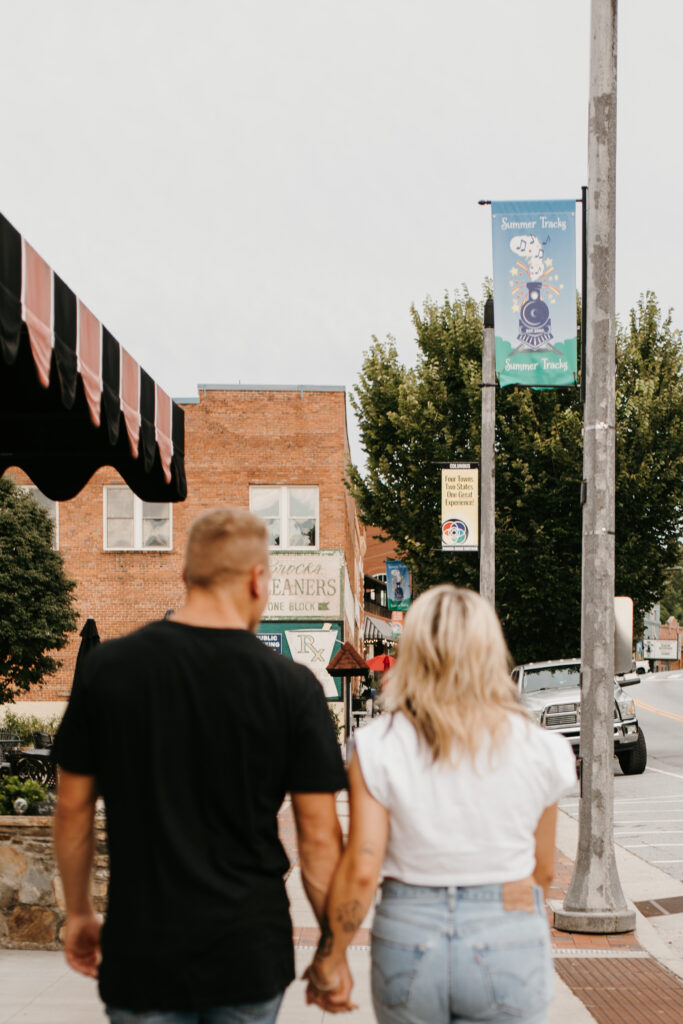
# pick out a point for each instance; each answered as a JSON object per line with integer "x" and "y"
{"x": 550, "y": 691}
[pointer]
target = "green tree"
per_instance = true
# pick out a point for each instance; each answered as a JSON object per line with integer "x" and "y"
{"x": 671, "y": 602}
{"x": 412, "y": 417}
{"x": 649, "y": 495}
{"x": 36, "y": 600}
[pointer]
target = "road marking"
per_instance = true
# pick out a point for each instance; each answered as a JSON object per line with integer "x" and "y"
{"x": 646, "y": 821}
{"x": 649, "y": 799}
{"x": 666, "y": 862}
{"x": 646, "y": 846}
{"x": 658, "y": 711}
{"x": 652, "y": 832}
{"x": 660, "y": 772}
{"x": 636, "y": 799}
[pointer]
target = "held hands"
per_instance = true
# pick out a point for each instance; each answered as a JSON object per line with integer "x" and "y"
{"x": 82, "y": 942}
{"x": 329, "y": 986}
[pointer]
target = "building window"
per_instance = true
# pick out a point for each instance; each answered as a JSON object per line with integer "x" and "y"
{"x": 134, "y": 525}
{"x": 50, "y": 506}
{"x": 290, "y": 514}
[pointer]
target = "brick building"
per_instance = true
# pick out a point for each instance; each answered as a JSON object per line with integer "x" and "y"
{"x": 671, "y": 630}
{"x": 281, "y": 451}
{"x": 379, "y": 634}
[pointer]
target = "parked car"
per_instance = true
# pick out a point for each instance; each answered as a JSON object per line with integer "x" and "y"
{"x": 551, "y": 693}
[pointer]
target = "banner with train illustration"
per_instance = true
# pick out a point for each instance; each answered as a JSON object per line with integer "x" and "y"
{"x": 534, "y": 286}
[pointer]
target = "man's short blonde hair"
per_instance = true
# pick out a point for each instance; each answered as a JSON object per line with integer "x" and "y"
{"x": 222, "y": 544}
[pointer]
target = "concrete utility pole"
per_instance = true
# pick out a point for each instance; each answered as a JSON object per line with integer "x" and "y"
{"x": 595, "y": 901}
{"x": 487, "y": 462}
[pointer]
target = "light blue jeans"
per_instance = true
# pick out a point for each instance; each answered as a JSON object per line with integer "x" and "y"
{"x": 454, "y": 954}
{"x": 247, "y": 1013}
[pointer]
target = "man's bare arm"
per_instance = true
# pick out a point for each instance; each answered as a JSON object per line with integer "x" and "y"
{"x": 74, "y": 840}
{"x": 320, "y": 844}
{"x": 355, "y": 879}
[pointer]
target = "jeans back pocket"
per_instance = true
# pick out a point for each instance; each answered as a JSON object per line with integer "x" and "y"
{"x": 519, "y": 976}
{"x": 394, "y": 968}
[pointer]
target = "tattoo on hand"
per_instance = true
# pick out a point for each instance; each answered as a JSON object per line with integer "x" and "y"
{"x": 326, "y": 938}
{"x": 349, "y": 916}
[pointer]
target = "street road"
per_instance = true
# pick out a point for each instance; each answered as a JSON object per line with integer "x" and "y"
{"x": 648, "y": 808}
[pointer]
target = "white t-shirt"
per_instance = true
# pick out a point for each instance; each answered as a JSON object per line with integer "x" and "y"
{"x": 468, "y": 824}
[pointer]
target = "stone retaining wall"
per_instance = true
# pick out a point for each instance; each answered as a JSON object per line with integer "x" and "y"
{"x": 31, "y": 898}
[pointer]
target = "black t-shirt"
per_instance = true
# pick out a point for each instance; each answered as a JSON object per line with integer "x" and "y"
{"x": 195, "y": 735}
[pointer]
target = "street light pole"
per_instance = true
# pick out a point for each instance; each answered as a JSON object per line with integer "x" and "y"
{"x": 487, "y": 461}
{"x": 595, "y": 901}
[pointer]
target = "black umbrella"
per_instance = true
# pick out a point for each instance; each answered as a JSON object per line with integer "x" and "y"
{"x": 89, "y": 638}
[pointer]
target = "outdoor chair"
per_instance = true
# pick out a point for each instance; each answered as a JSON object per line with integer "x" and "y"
{"x": 9, "y": 746}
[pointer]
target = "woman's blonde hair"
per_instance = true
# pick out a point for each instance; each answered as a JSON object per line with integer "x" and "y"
{"x": 451, "y": 677}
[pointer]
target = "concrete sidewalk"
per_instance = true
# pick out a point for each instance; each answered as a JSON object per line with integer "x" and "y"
{"x": 629, "y": 979}
{"x": 566, "y": 1009}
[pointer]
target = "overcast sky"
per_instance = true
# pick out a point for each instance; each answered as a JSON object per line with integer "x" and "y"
{"x": 245, "y": 191}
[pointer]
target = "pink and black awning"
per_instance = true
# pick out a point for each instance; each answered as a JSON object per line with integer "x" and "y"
{"x": 71, "y": 398}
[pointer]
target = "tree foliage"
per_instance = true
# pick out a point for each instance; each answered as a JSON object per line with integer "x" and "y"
{"x": 36, "y": 600}
{"x": 671, "y": 602}
{"x": 413, "y": 417}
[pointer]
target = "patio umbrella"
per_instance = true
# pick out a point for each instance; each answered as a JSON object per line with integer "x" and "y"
{"x": 89, "y": 638}
{"x": 380, "y": 663}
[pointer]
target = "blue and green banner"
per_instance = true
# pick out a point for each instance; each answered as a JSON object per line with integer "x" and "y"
{"x": 398, "y": 585}
{"x": 534, "y": 292}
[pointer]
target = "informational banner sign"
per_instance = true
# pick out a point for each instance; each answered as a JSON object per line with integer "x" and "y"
{"x": 460, "y": 506}
{"x": 306, "y": 585}
{"x": 397, "y": 623}
{"x": 398, "y": 585}
{"x": 534, "y": 291}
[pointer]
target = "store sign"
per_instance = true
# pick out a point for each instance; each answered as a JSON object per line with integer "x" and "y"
{"x": 313, "y": 648}
{"x": 306, "y": 585}
{"x": 310, "y": 643}
{"x": 272, "y": 640}
{"x": 460, "y": 507}
{"x": 534, "y": 288}
{"x": 662, "y": 650}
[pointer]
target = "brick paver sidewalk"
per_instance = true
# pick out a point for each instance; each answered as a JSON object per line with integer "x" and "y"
{"x": 613, "y": 976}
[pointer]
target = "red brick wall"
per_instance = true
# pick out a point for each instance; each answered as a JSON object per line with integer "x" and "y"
{"x": 377, "y": 551}
{"x": 233, "y": 438}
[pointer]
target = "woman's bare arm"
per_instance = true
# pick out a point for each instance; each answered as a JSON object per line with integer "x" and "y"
{"x": 545, "y": 848}
{"x": 354, "y": 882}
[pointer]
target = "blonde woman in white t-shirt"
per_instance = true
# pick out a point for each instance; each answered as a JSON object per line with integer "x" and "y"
{"x": 454, "y": 801}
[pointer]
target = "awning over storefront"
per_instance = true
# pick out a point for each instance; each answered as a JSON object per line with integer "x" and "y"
{"x": 71, "y": 398}
{"x": 378, "y": 629}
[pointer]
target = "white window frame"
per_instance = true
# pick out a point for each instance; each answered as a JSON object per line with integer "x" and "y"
{"x": 137, "y": 521}
{"x": 29, "y": 488}
{"x": 284, "y": 490}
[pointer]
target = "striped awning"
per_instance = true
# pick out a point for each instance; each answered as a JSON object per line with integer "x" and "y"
{"x": 71, "y": 398}
{"x": 378, "y": 629}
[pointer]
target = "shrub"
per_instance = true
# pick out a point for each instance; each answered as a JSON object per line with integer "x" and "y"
{"x": 335, "y": 722}
{"x": 11, "y": 787}
{"x": 26, "y": 725}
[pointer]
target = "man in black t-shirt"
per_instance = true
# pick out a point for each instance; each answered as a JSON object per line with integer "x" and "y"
{"x": 193, "y": 732}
